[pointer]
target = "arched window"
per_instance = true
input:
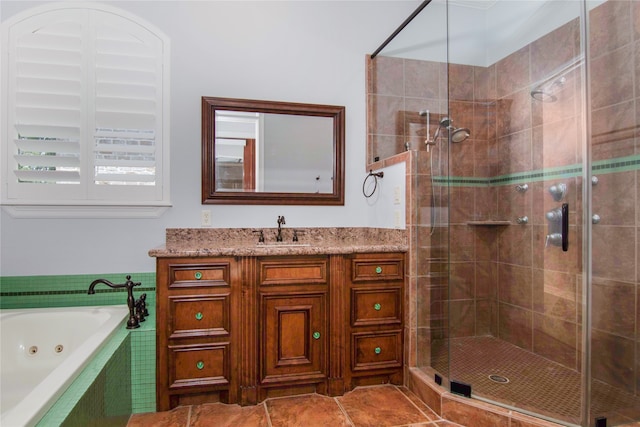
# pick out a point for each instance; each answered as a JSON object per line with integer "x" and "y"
{"x": 85, "y": 101}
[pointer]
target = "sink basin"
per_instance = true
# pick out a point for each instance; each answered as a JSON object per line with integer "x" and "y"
{"x": 284, "y": 244}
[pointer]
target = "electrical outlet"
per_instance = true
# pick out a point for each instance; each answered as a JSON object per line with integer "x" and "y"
{"x": 396, "y": 195}
{"x": 205, "y": 218}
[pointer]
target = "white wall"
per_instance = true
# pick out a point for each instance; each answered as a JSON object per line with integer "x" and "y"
{"x": 298, "y": 51}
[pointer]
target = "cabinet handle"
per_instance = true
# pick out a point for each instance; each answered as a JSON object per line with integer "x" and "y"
{"x": 377, "y": 350}
{"x": 199, "y": 315}
{"x": 378, "y": 269}
{"x": 316, "y": 335}
{"x": 198, "y": 275}
{"x": 200, "y": 364}
{"x": 377, "y": 307}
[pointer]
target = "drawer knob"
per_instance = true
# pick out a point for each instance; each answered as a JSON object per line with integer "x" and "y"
{"x": 200, "y": 364}
{"x": 378, "y": 269}
{"x": 377, "y": 307}
{"x": 199, "y": 315}
{"x": 377, "y": 350}
{"x": 316, "y": 335}
{"x": 198, "y": 275}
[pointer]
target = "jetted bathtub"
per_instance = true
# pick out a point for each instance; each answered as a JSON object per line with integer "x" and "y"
{"x": 43, "y": 350}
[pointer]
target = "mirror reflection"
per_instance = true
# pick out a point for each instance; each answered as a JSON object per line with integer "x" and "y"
{"x": 273, "y": 152}
{"x": 267, "y": 152}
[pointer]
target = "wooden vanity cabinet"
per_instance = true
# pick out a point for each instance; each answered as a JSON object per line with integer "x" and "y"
{"x": 243, "y": 329}
{"x": 196, "y": 336}
{"x": 375, "y": 319}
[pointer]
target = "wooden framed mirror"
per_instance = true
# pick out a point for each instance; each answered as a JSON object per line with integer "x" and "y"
{"x": 272, "y": 153}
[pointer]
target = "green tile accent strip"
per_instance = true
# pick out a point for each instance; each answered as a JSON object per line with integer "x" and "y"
{"x": 620, "y": 164}
{"x": 70, "y": 291}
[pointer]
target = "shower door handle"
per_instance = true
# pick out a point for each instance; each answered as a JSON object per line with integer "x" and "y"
{"x": 565, "y": 227}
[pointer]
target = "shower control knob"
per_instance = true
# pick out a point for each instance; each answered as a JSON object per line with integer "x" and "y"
{"x": 595, "y": 219}
{"x": 554, "y": 215}
{"x": 558, "y": 191}
{"x": 522, "y": 188}
{"x": 554, "y": 239}
{"x": 594, "y": 180}
{"x": 522, "y": 219}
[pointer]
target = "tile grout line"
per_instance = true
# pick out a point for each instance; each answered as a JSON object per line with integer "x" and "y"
{"x": 429, "y": 420}
{"x": 189, "y": 416}
{"x": 344, "y": 411}
{"x": 266, "y": 411}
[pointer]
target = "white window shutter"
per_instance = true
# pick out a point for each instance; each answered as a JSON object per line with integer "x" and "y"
{"x": 86, "y": 109}
{"x": 47, "y": 71}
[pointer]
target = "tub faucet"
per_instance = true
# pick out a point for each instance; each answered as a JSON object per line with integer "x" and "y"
{"x": 133, "y": 322}
{"x": 280, "y": 223}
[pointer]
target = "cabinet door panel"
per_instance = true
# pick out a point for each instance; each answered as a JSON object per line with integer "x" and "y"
{"x": 293, "y": 337}
{"x": 199, "y": 315}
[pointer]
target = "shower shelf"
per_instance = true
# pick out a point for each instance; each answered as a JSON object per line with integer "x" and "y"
{"x": 489, "y": 222}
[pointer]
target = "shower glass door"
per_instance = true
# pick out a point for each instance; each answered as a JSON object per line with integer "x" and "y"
{"x": 516, "y": 269}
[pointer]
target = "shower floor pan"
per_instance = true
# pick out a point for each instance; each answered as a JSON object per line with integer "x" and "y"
{"x": 504, "y": 373}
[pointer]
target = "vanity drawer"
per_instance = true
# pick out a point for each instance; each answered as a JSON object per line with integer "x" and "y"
{"x": 293, "y": 271}
{"x": 378, "y": 268}
{"x": 198, "y": 365}
{"x": 371, "y": 306}
{"x": 199, "y": 275}
{"x": 380, "y": 350}
{"x": 199, "y": 315}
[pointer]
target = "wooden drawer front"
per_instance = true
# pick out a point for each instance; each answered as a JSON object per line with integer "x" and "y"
{"x": 376, "y": 307}
{"x": 199, "y": 315}
{"x": 198, "y": 365}
{"x": 293, "y": 271}
{"x": 198, "y": 275}
{"x": 293, "y": 337}
{"x": 376, "y": 350}
{"x": 368, "y": 270}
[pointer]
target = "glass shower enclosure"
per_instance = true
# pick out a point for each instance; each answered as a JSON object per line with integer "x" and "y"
{"x": 522, "y": 118}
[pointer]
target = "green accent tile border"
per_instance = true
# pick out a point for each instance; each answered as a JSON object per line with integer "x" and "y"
{"x": 70, "y": 290}
{"x": 620, "y": 164}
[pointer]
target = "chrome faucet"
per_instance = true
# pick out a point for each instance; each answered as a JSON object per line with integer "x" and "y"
{"x": 280, "y": 223}
{"x": 133, "y": 321}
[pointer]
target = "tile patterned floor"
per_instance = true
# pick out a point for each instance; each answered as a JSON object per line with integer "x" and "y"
{"x": 376, "y": 406}
{"x": 536, "y": 384}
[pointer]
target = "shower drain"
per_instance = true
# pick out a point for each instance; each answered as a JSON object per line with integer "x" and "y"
{"x": 499, "y": 379}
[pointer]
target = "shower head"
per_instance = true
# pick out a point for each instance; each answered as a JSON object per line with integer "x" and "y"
{"x": 459, "y": 134}
{"x": 445, "y": 122}
{"x": 456, "y": 134}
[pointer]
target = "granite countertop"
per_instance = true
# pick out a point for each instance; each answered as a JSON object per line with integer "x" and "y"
{"x": 198, "y": 242}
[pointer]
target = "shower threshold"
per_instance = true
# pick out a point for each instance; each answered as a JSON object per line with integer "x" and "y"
{"x": 533, "y": 383}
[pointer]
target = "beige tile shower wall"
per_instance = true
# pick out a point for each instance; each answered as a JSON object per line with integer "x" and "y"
{"x": 503, "y": 281}
{"x": 615, "y": 92}
{"x": 397, "y": 90}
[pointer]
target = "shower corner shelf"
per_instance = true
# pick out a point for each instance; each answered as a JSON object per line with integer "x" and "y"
{"x": 489, "y": 222}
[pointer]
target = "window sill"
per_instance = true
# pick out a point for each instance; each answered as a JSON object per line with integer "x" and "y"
{"x": 85, "y": 211}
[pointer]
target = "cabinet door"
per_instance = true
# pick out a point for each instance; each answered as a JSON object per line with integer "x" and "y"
{"x": 293, "y": 341}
